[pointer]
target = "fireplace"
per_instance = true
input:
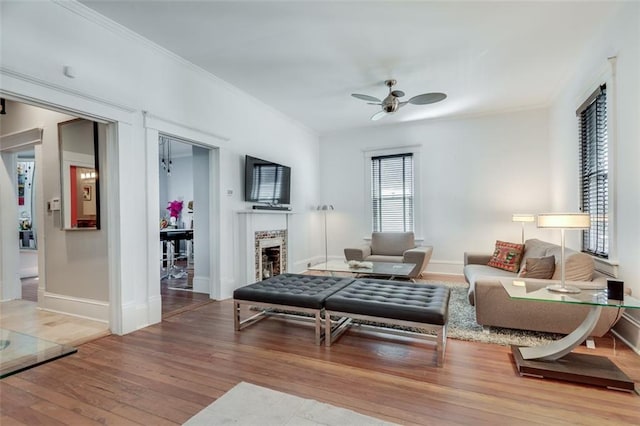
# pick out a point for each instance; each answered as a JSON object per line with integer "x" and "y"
{"x": 270, "y": 253}
{"x": 262, "y": 233}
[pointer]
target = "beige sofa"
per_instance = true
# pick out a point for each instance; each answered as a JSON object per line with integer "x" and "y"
{"x": 394, "y": 247}
{"x": 495, "y": 308}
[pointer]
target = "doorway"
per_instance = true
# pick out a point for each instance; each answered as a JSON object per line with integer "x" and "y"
{"x": 184, "y": 182}
{"x": 29, "y": 164}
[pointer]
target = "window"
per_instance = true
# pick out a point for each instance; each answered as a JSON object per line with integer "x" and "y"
{"x": 392, "y": 192}
{"x": 594, "y": 172}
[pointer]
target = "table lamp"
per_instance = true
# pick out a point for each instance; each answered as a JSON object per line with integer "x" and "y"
{"x": 563, "y": 221}
{"x": 522, "y": 218}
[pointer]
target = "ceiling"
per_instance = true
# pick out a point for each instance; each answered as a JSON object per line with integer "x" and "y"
{"x": 304, "y": 58}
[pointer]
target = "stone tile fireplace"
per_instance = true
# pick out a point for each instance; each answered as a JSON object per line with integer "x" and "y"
{"x": 270, "y": 253}
{"x": 263, "y": 244}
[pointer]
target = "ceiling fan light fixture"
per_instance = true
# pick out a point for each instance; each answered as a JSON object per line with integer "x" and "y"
{"x": 391, "y": 103}
{"x": 427, "y": 98}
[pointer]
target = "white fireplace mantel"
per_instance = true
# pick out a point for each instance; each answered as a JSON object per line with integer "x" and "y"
{"x": 250, "y": 222}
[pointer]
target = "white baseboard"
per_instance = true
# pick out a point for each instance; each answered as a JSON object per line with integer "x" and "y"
{"x": 95, "y": 310}
{"x": 155, "y": 309}
{"x": 137, "y": 316}
{"x": 201, "y": 285}
{"x": 446, "y": 267}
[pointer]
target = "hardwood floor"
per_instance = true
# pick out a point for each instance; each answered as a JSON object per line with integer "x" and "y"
{"x": 177, "y": 294}
{"x": 166, "y": 373}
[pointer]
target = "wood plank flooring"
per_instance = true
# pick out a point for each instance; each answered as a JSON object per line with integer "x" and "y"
{"x": 166, "y": 373}
{"x": 177, "y": 301}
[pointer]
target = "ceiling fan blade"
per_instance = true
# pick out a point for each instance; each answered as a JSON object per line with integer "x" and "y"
{"x": 366, "y": 97}
{"x": 398, "y": 93}
{"x": 374, "y": 103}
{"x": 378, "y": 115}
{"x": 427, "y": 98}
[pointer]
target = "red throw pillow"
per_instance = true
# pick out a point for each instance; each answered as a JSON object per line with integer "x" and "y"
{"x": 507, "y": 256}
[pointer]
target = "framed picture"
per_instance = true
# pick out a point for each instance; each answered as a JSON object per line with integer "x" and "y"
{"x": 86, "y": 193}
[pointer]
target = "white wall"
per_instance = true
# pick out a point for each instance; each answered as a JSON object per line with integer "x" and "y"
{"x": 119, "y": 75}
{"x": 473, "y": 174}
{"x": 179, "y": 186}
{"x": 620, "y": 38}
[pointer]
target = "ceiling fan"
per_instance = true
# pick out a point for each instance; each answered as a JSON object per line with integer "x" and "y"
{"x": 391, "y": 103}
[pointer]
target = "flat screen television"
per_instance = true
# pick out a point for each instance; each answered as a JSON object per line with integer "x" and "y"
{"x": 266, "y": 182}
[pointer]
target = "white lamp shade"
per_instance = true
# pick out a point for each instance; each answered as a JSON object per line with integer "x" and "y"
{"x": 564, "y": 220}
{"x": 521, "y": 217}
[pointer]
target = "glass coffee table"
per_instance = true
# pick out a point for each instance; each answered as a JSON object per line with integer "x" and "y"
{"x": 555, "y": 360}
{"x": 376, "y": 269}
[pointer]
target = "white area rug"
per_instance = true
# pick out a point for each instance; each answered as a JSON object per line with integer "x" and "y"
{"x": 247, "y": 404}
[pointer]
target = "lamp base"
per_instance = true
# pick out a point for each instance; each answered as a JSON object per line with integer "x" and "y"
{"x": 561, "y": 288}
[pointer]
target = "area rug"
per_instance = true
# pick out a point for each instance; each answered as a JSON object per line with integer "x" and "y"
{"x": 463, "y": 326}
{"x": 248, "y": 404}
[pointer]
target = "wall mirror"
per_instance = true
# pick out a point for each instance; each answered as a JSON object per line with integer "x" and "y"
{"x": 78, "y": 141}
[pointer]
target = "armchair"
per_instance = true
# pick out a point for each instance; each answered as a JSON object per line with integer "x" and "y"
{"x": 394, "y": 247}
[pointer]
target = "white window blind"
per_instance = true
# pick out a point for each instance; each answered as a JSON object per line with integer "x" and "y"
{"x": 267, "y": 182}
{"x": 594, "y": 172}
{"x": 392, "y": 193}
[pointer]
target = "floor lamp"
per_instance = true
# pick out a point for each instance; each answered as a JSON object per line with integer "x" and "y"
{"x": 325, "y": 208}
{"x": 563, "y": 221}
{"x": 522, "y": 218}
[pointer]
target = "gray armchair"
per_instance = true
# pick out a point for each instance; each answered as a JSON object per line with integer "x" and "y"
{"x": 394, "y": 247}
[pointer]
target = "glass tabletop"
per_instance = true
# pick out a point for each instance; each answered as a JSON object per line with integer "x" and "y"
{"x": 20, "y": 351}
{"x": 366, "y": 268}
{"x": 590, "y": 294}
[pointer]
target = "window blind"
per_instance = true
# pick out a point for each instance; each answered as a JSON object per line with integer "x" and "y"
{"x": 267, "y": 182}
{"x": 392, "y": 192}
{"x": 594, "y": 172}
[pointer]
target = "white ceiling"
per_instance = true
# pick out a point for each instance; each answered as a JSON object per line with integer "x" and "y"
{"x": 306, "y": 57}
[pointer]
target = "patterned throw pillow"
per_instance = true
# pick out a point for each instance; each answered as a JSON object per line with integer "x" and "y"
{"x": 539, "y": 267}
{"x": 507, "y": 256}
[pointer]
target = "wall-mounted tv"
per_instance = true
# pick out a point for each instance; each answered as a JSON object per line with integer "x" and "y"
{"x": 266, "y": 182}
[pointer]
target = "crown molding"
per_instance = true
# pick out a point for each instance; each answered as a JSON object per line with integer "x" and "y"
{"x": 4, "y": 71}
{"x": 92, "y": 16}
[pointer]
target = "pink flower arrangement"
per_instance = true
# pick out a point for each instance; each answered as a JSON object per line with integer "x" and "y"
{"x": 175, "y": 207}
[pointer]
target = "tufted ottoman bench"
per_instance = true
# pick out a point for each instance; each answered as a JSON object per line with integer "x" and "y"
{"x": 424, "y": 307}
{"x": 287, "y": 292}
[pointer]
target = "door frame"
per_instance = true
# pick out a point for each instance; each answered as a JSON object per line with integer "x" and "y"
{"x": 154, "y": 126}
{"x": 119, "y": 119}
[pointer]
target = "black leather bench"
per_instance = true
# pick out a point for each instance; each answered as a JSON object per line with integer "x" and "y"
{"x": 287, "y": 292}
{"x": 421, "y": 307}
{"x": 418, "y": 306}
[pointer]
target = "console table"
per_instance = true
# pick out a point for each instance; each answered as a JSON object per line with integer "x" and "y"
{"x": 555, "y": 360}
